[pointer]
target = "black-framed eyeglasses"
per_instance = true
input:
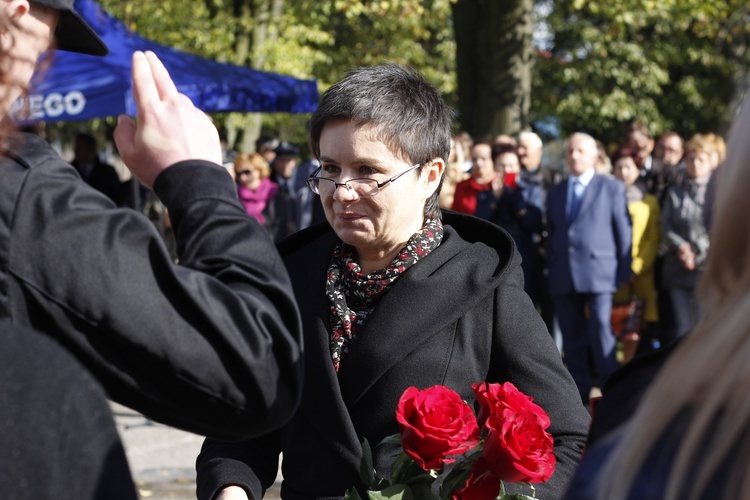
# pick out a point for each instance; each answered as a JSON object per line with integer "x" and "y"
{"x": 365, "y": 188}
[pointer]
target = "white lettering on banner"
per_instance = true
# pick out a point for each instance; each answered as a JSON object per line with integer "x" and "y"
{"x": 55, "y": 104}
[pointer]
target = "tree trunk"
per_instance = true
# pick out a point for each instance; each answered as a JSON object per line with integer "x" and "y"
{"x": 494, "y": 59}
{"x": 266, "y": 13}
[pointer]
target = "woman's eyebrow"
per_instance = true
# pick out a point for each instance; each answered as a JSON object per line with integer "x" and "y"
{"x": 356, "y": 161}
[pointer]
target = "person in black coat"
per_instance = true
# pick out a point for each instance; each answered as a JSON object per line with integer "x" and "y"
{"x": 57, "y": 436}
{"x": 518, "y": 209}
{"x": 394, "y": 293}
{"x": 211, "y": 345}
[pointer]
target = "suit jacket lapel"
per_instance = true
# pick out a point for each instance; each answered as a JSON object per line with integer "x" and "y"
{"x": 557, "y": 202}
{"x": 589, "y": 194}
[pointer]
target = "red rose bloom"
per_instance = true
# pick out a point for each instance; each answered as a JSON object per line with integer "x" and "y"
{"x": 435, "y": 424}
{"x": 517, "y": 447}
{"x": 481, "y": 485}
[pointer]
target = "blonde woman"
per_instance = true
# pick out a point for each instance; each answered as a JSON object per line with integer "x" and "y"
{"x": 690, "y": 436}
{"x": 645, "y": 214}
{"x": 254, "y": 188}
{"x": 454, "y": 173}
{"x": 685, "y": 238}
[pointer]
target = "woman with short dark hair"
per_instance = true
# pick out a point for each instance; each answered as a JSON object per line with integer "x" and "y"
{"x": 393, "y": 293}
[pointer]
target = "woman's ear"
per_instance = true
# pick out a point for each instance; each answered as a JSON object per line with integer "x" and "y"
{"x": 433, "y": 172}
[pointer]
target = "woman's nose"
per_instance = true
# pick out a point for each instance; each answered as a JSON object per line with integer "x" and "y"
{"x": 344, "y": 193}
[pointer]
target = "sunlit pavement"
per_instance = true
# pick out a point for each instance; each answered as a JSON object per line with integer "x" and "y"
{"x": 162, "y": 459}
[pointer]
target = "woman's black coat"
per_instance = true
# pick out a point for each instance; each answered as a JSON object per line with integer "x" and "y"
{"x": 457, "y": 317}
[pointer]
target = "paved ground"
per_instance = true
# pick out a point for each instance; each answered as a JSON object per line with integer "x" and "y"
{"x": 162, "y": 459}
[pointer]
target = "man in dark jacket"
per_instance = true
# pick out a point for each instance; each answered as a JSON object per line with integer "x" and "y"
{"x": 211, "y": 345}
{"x": 589, "y": 249}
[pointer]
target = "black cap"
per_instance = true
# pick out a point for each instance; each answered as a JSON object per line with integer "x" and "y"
{"x": 73, "y": 34}
{"x": 286, "y": 149}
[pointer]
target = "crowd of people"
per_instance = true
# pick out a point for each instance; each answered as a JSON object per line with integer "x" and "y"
{"x": 395, "y": 291}
{"x": 608, "y": 227}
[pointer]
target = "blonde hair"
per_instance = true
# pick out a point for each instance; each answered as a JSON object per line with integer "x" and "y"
{"x": 720, "y": 146}
{"x": 253, "y": 161}
{"x": 457, "y": 147}
{"x": 700, "y": 143}
{"x": 709, "y": 374}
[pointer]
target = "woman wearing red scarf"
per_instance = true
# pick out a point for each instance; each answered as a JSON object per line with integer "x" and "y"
{"x": 393, "y": 293}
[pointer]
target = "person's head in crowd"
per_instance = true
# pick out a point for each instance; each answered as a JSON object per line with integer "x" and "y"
{"x": 530, "y": 148}
{"x": 504, "y": 142}
{"x": 466, "y": 140}
{"x": 507, "y": 161}
{"x": 699, "y": 157}
{"x": 285, "y": 160}
{"x": 624, "y": 167}
{"x": 695, "y": 415}
{"x": 603, "y": 163}
{"x": 360, "y": 131}
{"x": 720, "y": 149}
{"x": 30, "y": 28}
{"x": 456, "y": 159}
{"x": 640, "y": 141}
{"x": 85, "y": 149}
{"x": 581, "y": 153}
{"x": 669, "y": 149}
{"x": 457, "y": 155}
{"x": 508, "y": 167}
{"x": 482, "y": 165}
{"x": 502, "y": 147}
{"x": 265, "y": 146}
{"x": 250, "y": 169}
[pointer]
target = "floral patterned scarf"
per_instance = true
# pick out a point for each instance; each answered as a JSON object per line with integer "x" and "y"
{"x": 353, "y": 295}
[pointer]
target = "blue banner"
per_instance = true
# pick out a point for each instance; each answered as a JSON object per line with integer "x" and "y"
{"x": 72, "y": 87}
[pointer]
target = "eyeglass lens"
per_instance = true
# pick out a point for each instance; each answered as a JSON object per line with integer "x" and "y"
{"x": 363, "y": 187}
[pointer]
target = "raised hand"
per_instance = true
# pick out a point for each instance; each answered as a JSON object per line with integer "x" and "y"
{"x": 169, "y": 128}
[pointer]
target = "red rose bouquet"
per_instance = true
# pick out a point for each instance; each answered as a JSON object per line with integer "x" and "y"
{"x": 508, "y": 443}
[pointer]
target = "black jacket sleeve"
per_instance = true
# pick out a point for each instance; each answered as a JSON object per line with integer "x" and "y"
{"x": 212, "y": 345}
{"x": 252, "y": 465}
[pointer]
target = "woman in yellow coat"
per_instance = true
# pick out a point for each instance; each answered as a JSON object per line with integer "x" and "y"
{"x": 645, "y": 214}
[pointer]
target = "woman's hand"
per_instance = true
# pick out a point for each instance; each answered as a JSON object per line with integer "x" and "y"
{"x": 169, "y": 128}
{"x": 687, "y": 256}
{"x": 497, "y": 186}
{"x": 232, "y": 493}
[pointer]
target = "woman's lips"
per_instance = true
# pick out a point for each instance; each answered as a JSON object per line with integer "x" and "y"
{"x": 349, "y": 216}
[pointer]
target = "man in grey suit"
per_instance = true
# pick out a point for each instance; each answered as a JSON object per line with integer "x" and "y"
{"x": 589, "y": 250}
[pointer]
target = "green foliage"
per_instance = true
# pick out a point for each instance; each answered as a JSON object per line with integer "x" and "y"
{"x": 673, "y": 64}
{"x": 304, "y": 38}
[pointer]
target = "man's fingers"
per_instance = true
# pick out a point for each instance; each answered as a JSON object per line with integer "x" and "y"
{"x": 164, "y": 84}
{"x": 144, "y": 89}
{"x": 124, "y": 135}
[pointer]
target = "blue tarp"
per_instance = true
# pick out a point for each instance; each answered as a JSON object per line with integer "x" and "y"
{"x": 81, "y": 87}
